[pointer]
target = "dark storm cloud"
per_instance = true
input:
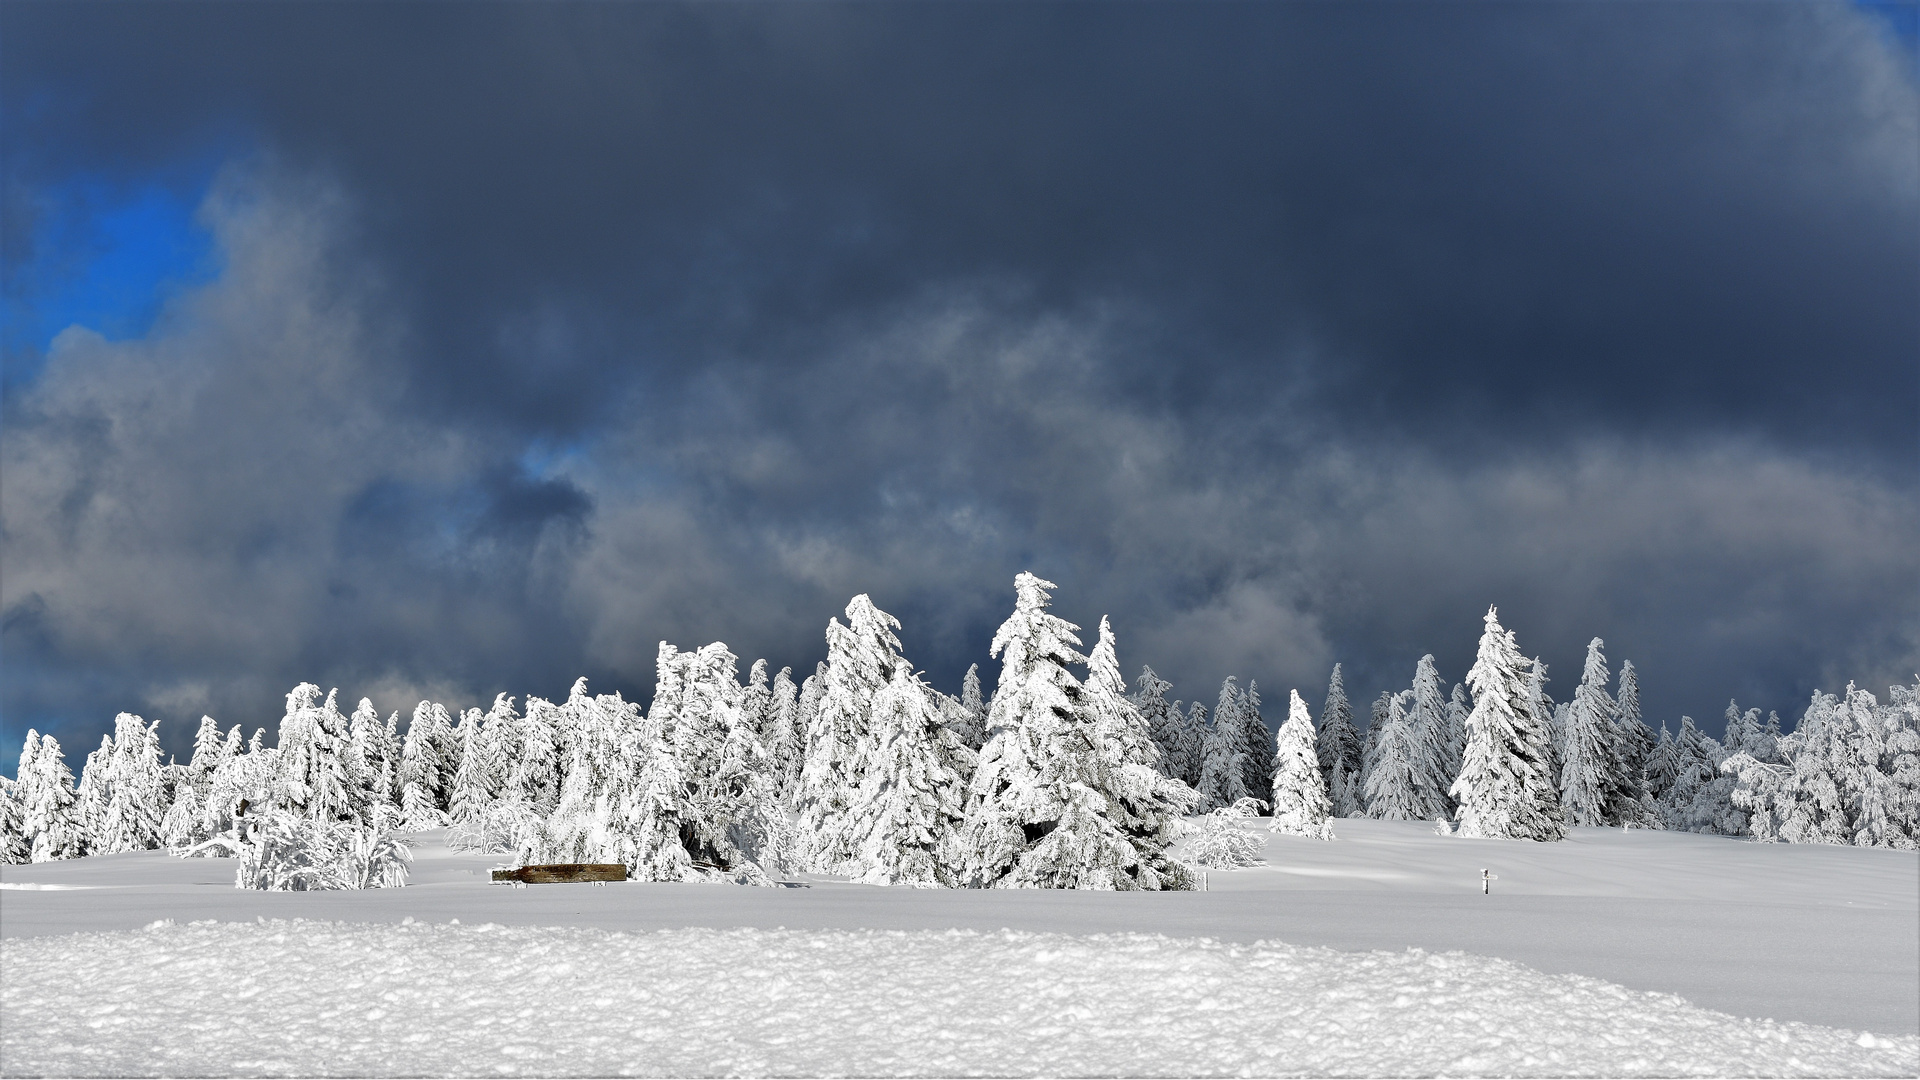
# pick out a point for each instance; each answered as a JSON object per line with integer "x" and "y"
{"x": 1285, "y": 333}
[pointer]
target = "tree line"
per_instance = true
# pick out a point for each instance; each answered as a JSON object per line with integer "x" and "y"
{"x": 1063, "y": 778}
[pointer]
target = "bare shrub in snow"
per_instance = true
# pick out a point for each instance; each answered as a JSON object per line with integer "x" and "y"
{"x": 284, "y": 853}
{"x": 1224, "y": 841}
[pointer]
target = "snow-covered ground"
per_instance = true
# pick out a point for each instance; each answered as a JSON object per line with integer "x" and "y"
{"x": 1802, "y": 935}
{"x": 357, "y": 999}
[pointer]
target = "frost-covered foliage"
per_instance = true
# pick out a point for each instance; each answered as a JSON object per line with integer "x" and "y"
{"x": 1505, "y": 788}
{"x": 1436, "y": 759}
{"x": 784, "y": 738}
{"x": 1227, "y": 763}
{"x": 129, "y": 792}
{"x": 500, "y": 828}
{"x": 1164, "y": 721}
{"x": 1144, "y": 803}
{"x": 971, "y": 723}
{"x": 1401, "y": 785}
{"x": 1223, "y": 841}
{"x": 1850, "y": 775}
{"x": 1301, "y": 806}
{"x": 861, "y": 657}
{"x": 1338, "y": 750}
{"x": 48, "y": 803}
{"x": 295, "y": 853}
{"x": 1590, "y": 772}
{"x": 428, "y": 764}
{"x": 15, "y": 845}
{"x": 1040, "y": 810}
{"x": 910, "y": 801}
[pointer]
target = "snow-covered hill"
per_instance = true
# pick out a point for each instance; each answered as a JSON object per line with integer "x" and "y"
{"x": 1806, "y": 934}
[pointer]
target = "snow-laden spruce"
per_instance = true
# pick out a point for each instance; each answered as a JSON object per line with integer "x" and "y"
{"x": 1230, "y": 767}
{"x": 1164, "y": 721}
{"x": 1301, "y": 806}
{"x": 1436, "y": 759}
{"x": 1590, "y": 787}
{"x": 1505, "y": 788}
{"x": 1147, "y": 805}
{"x": 1039, "y": 811}
{"x": 861, "y": 657}
{"x": 908, "y": 807}
{"x": 1338, "y": 749}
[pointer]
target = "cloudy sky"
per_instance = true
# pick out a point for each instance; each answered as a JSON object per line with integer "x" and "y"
{"x": 429, "y": 350}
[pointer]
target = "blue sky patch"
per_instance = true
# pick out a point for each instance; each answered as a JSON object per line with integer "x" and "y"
{"x": 105, "y": 256}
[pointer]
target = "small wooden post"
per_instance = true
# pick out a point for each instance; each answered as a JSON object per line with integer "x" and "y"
{"x": 1485, "y": 878}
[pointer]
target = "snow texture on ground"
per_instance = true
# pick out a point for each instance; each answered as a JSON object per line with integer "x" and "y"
{"x": 313, "y": 998}
{"x": 1820, "y": 935}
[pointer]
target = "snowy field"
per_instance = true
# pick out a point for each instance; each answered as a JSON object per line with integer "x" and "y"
{"x": 1617, "y": 953}
{"x": 357, "y": 999}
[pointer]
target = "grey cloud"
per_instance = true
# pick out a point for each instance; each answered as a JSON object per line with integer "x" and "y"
{"x": 1284, "y": 334}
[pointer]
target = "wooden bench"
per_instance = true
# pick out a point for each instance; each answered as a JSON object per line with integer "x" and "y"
{"x": 557, "y": 873}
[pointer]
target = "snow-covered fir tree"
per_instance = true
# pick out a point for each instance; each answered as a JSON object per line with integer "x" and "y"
{"x": 756, "y": 702}
{"x": 1036, "y": 814}
{"x": 1163, "y": 724}
{"x": 15, "y": 846}
{"x": 861, "y": 656}
{"x": 1243, "y": 776}
{"x": 1459, "y": 707}
{"x": 1193, "y": 734}
{"x": 806, "y": 714}
{"x": 1634, "y": 745}
{"x": 1144, "y": 803}
{"x": 1339, "y": 751}
{"x": 1370, "y": 740}
{"x": 733, "y": 824}
{"x": 910, "y": 802}
{"x": 972, "y": 725}
{"x": 48, "y": 802}
{"x": 1401, "y": 785}
{"x": 1549, "y": 713}
{"x": 314, "y": 742}
{"x": 424, "y": 769}
{"x": 209, "y": 748}
{"x": 1701, "y": 796}
{"x": 1301, "y": 806}
{"x": 1591, "y": 790}
{"x": 1505, "y": 788}
{"x": 1257, "y": 768}
{"x": 784, "y": 737}
{"x": 534, "y": 779}
{"x": 1217, "y": 759}
{"x": 91, "y": 792}
{"x": 1430, "y": 731}
{"x": 481, "y": 777}
{"x": 134, "y": 800}
{"x": 1663, "y": 766}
